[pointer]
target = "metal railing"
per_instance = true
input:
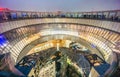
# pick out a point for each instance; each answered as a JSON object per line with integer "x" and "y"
{"x": 8, "y": 15}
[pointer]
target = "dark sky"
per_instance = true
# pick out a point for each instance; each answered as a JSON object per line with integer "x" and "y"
{"x": 61, "y": 5}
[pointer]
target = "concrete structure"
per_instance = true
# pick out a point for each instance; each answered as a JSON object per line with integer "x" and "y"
{"x": 20, "y": 31}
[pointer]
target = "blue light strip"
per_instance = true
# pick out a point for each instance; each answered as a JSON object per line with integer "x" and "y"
{"x": 3, "y": 41}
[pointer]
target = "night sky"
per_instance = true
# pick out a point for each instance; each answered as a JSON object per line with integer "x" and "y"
{"x": 61, "y": 5}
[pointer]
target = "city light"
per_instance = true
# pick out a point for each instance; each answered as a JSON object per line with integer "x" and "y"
{"x": 3, "y": 41}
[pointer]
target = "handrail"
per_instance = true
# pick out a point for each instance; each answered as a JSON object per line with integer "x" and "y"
{"x": 111, "y": 15}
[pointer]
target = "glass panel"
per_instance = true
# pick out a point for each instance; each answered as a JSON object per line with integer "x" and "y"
{"x": 13, "y": 15}
{"x": 1, "y": 16}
